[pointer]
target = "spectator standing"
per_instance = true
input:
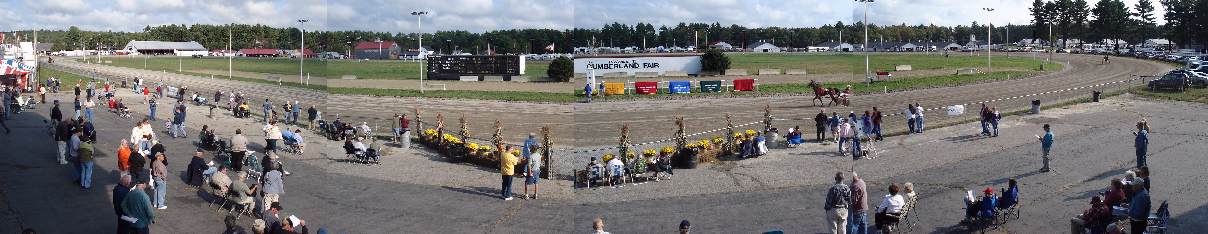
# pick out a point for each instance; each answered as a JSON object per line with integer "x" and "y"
{"x": 844, "y": 135}
{"x": 89, "y": 105}
{"x": 909, "y": 113}
{"x": 159, "y": 173}
{"x": 532, "y": 171}
{"x": 833, "y": 123}
{"x": 994, "y": 118}
{"x": 268, "y": 106}
{"x": 311, "y": 115}
{"x": 1046, "y": 145}
{"x": 272, "y": 135}
{"x": 178, "y": 120}
{"x": 119, "y": 194}
{"x": 838, "y": 197}
{"x": 86, "y": 164}
{"x": 507, "y": 166}
{"x": 820, "y": 121}
{"x": 123, "y": 157}
{"x": 151, "y": 107}
{"x": 238, "y": 150}
{"x": 1138, "y": 209}
{"x": 137, "y": 209}
{"x": 274, "y": 186}
{"x": 1141, "y": 142}
{"x": 918, "y": 117}
{"x": 876, "y": 122}
{"x": 857, "y": 223}
{"x": 297, "y": 111}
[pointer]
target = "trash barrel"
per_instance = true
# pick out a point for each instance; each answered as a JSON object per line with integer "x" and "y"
{"x": 1035, "y": 106}
{"x": 1095, "y": 96}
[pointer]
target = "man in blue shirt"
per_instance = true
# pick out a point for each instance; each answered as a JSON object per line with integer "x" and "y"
{"x": 1138, "y": 210}
{"x": 1046, "y": 144}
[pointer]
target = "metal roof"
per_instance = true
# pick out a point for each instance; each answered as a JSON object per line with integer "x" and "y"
{"x": 164, "y": 45}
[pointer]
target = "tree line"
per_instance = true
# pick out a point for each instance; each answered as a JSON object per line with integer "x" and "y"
{"x": 1186, "y": 23}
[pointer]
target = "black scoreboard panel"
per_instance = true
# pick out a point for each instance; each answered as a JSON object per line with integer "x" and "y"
{"x": 452, "y": 67}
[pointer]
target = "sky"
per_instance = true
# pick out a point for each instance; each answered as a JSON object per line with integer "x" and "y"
{"x": 486, "y": 15}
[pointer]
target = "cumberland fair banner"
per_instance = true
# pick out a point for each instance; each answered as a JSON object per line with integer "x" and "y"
{"x": 634, "y": 64}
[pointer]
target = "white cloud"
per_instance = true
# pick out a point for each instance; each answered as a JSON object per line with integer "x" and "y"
{"x": 484, "y": 15}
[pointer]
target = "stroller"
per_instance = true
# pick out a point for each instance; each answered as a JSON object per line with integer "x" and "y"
{"x": 22, "y": 104}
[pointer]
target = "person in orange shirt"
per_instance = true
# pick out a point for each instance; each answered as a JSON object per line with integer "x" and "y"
{"x": 123, "y": 156}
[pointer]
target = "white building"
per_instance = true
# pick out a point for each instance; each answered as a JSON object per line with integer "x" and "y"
{"x": 764, "y": 47}
{"x": 188, "y": 48}
{"x": 721, "y": 45}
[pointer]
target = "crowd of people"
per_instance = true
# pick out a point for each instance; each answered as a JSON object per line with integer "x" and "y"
{"x": 846, "y": 206}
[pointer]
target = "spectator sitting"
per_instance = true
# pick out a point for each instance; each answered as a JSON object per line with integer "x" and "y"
{"x": 359, "y": 145}
{"x": 1094, "y": 220}
{"x": 293, "y": 139}
{"x": 197, "y": 167}
{"x": 891, "y": 207}
{"x": 1115, "y": 194}
{"x": 220, "y": 181}
{"x": 616, "y": 170}
{"x": 243, "y": 193}
{"x": 794, "y": 137}
{"x": 595, "y": 172}
{"x": 988, "y": 203}
{"x": 1010, "y": 196}
{"x": 761, "y": 147}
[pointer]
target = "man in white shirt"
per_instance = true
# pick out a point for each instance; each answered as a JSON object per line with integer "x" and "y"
{"x": 615, "y": 169}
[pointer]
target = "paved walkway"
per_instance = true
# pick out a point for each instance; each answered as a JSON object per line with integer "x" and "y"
{"x": 785, "y": 189}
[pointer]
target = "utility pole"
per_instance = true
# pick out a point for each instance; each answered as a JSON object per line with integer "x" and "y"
{"x": 867, "y": 70}
{"x": 419, "y": 23}
{"x": 230, "y": 55}
{"x": 302, "y": 50}
{"x": 989, "y": 26}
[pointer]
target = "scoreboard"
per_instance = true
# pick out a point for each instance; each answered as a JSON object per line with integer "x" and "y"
{"x": 455, "y": 67}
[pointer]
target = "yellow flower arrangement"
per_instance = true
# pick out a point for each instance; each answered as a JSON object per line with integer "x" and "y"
{"x": 630, "y": 155}
{"x": 484, "y": 148}
{"x": 607, "y": 157}
{"x": 668, "y": 150}
{"x": 717, "y": 140}
{"x": 692, "y": 145}
{"x": 750, "y": 132}
{"x": 472, "y": 146}
{"x": 430, "y": 132}
{"x": 649, "y": 152}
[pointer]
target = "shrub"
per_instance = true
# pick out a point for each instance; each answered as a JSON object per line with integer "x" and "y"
{"x": 713, "y": 61}
{"x": 561, "y": 69}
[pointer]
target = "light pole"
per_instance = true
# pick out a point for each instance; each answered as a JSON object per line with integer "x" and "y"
{"x": 302, "y": 50}
{"x": 419, "y": 23}
{"x": 989, "y": 69}
{"x": 867, "y": 71}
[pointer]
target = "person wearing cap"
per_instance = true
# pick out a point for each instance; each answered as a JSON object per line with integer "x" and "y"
{"x": 272, "y": 217}
{"x": 291, "y": 225}
{"x": 595, "y": 171}
{"x": 988, "y": 203}
{"x": 1094, "y": 219}
{"x": 838, "y": 199}
{"x": 243, "y": 193}
{"x": 685, "y": 226}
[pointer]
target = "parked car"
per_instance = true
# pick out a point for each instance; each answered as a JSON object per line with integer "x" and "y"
{"x": 1174, "y": 80}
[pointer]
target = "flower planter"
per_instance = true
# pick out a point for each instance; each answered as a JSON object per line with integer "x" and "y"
{"x": 686, "y": 159}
